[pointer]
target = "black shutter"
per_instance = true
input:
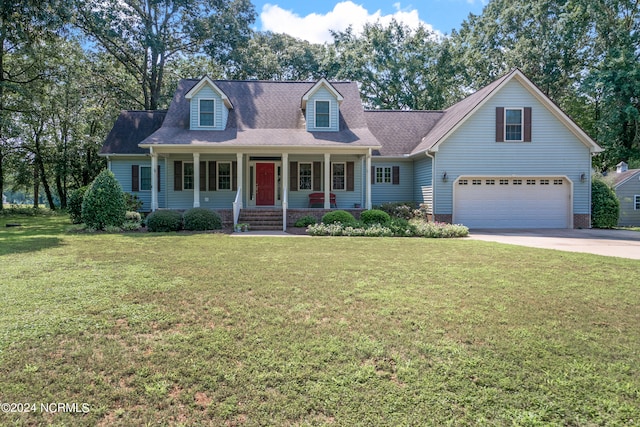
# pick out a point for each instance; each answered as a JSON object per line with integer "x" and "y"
{"x": 373, "y": 175}
{"x": 135, "y": 178}
{"x": 212, "y": 176}
{"x": 293, "y": 176}
{"x": 499, "y": 124}
{"x": 203, "y": 176}
{"x": 350, "y": 176}
{"x": 527, "y": 125}
{"x": 177, "y": 175}
{"x": 158, "y": 178}
{"x": 234, "y": 176}
{"x": 396, "y": 175}
{"x": 317, "y": 176}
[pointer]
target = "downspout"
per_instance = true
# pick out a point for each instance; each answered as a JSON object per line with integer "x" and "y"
{"x": 433, "y": 184}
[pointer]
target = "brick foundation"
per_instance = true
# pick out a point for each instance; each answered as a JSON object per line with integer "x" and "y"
{"x": 581, "y": 221}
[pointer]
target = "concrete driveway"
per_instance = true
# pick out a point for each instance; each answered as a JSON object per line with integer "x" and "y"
{"x": 617, "y": 243}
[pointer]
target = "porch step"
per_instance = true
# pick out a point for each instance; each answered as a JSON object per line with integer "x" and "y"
{"x": 261, "y": 219}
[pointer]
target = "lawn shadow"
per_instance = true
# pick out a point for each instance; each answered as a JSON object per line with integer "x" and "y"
{"x": 22, "y": 234}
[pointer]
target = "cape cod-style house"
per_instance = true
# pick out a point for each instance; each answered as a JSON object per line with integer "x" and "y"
{"x": 504, "y": 157}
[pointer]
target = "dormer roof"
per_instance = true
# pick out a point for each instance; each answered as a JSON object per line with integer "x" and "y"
{"x": 321, "y": 83}
{"x": 206, "y": 81}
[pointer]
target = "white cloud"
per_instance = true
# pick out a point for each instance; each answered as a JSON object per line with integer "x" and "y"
{"x": 316, "y": 27}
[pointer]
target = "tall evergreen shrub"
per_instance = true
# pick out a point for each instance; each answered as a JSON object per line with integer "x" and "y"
{"x": 103, "y": 204}
{"x": 605, "y": 206}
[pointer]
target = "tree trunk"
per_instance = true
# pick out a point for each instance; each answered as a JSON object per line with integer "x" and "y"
{"x": 36, "y": 186}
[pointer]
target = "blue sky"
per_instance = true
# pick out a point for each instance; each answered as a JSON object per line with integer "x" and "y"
{"x": 311, "y": 20}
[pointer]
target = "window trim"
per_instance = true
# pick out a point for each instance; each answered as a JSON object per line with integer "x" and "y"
{"x": 230, "y": 175}
{"x": 344, "y": 176}
{"x": 184, "y": 175}
{"x": 315, "y": 112}
{"x": 506, "y": 109}
{"x": 140, "y": 187}
{"x": 213, "y": 113}
{"x": 386, "y": 175}
{"x": 310, "y": 176}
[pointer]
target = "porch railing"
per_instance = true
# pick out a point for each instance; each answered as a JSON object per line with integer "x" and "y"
{"x": 237, "y": 206}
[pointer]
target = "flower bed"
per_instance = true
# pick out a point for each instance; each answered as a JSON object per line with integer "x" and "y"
{"x": 413, "y": 228}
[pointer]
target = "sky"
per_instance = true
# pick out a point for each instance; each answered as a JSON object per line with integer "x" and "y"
{"x": 311, "y": 20}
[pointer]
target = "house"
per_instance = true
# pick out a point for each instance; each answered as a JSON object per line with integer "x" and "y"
{"x": 627, "y": 188}
{"x": 504, "y": 157}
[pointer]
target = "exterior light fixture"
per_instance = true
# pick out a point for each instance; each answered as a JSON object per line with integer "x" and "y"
{"x": 444, "y": 176}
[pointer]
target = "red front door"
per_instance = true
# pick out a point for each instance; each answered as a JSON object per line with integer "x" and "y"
{"x": 265, "y": 184}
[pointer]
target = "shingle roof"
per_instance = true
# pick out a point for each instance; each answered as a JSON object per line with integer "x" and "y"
{"x": 266, "y": 113}
{"x": 625, "y": 176}
{"x": 130, "y": 129}
{"x": 400, "y": 131}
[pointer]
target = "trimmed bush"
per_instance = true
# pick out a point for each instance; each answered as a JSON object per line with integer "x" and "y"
{"x": 200, "y": 219}
{"x": 164, "y": 221}
{"x": 605, "y": 206}
{"x": 74, "y": 204}
{"x": 132, "y": 202}
{"x": 339, "y": 217}
{"x": 399, "y": 209}
{"x": 306, "y": 221}
{"x": 374, "y": 216}
{"x": 103, "y": 205}
{"x": 397, "y": 228}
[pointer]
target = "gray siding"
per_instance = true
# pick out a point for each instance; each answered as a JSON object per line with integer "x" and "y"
{"x": 626, "y": 193}
{"x": 388, "y": 192}
{"x": 220, "y": 113}
{"x": 423, "y": 181}
{"x": 121, "y": 168}
{"x": 323, "y": 94}
{"x": 472, "y": 150}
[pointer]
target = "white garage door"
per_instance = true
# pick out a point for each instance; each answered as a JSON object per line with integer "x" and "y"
{"x": 512, "y": 202}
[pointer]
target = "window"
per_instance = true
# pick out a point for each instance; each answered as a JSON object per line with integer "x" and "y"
{"x": 504, "y": 182}
{"x": 207, "y": 107}
{"x": 463, "y": 182}
{"x": 490, "y": 182}
{"x": 322, "y": 114}
{"x": 476, "y": 182}
{"x": 636, "y": 202}
{"x": 224, "y": 176}
{"x": 338, "y": 173}
{"x": 305, "y": 176}
{"x": 513, "y": 124}
{"x": 531, "y": 182}
{"x": 557, "y": 182}
{"x": 145, "y": 178}
{"x": 187, "y": 176}
{"x": 383, "y": 175}
{"x": 517, "y": 182}
{"x": 544, "y": 182}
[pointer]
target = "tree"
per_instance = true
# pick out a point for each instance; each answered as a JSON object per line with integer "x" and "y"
{"x": 146, "y": 35}
{"x": 103, "y": 203}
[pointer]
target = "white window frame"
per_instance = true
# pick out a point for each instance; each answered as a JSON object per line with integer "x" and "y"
{"x": 636, "y": 202}
{"x": 310, "y": 176}
{"x": 213, "y": 113}
{"x": 383, "y": 175}
{"x": 506, "y": 137}
{"x": 184, "y": 176}
{"x": 315, "y": 118}
{"x": 344, "y": 176}
{"x": 218, "y": 176}
{"x": 140, "y": 186}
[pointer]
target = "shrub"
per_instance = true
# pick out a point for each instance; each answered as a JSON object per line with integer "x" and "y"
{"x": 338, "y": 216}
{"x": 74, "y": 204}
{"x": 164, "y": 221}
{"x": 605, "y": 206}
{"x": 200, "y": 219}
{"x": 132, "y": 202}
{"x": 103, "y": 203}
{"x": 438, "y": 229}
{"x": 305, "y": 221}
{"x": 397, "y": 227}
{"x": 399, "y": 209}
{"x": 401, "y": 227}
{"x": 374, "y": 216}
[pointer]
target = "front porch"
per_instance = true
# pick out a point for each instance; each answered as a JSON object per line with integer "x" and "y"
{"x": 289, "y": 183}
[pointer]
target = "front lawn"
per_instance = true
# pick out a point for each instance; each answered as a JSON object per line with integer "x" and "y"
{"x": 210, "y": 329}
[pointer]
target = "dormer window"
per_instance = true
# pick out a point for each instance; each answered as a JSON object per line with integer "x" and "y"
{"x": 322, "y": 114}
{"x": 206, "y": 112}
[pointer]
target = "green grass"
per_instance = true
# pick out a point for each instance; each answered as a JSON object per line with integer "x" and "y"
{"x": 208, "y": 329}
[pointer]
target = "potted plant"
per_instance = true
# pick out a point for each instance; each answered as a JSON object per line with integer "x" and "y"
{"x": 245, "y": 227}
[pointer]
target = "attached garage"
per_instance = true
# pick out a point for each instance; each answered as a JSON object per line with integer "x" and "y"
{"x": 512, "y": 202}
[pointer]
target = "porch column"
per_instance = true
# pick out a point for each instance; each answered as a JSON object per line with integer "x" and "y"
{"x": 154, "y": 181}
{"x": 196, "y": 180}
{"x": 367, "y": 204}
{"x": 285, "y": 189}
{"x": 327, "y": 181}
{"x": 240, "y": 173}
